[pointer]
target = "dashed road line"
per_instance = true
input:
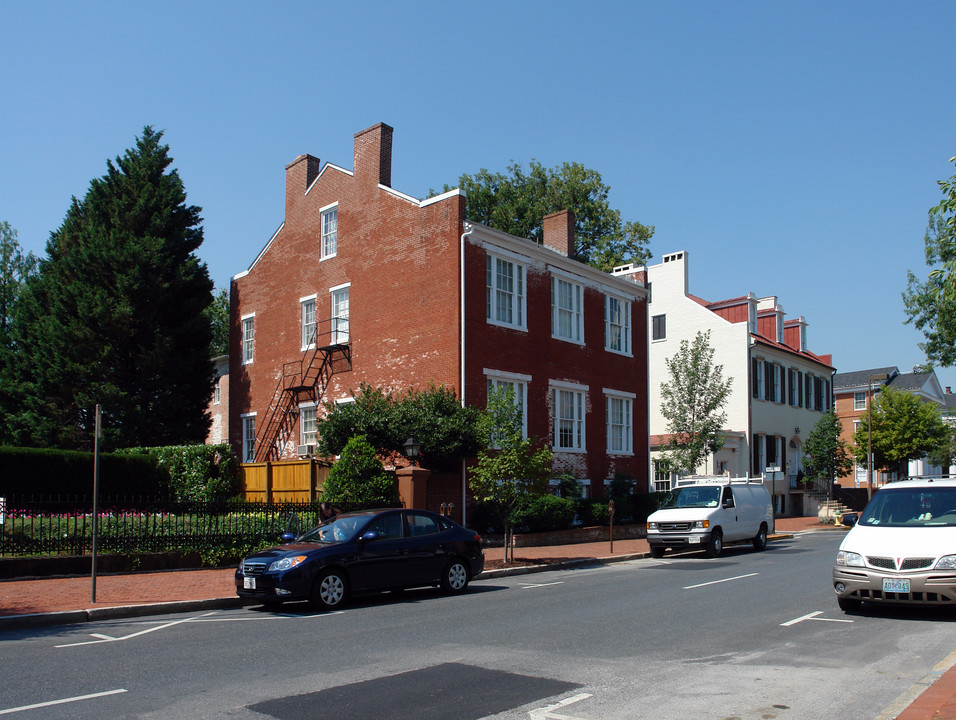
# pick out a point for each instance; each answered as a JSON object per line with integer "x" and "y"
{"x": 716, "y": 582}
{"x": 63, "y": 701}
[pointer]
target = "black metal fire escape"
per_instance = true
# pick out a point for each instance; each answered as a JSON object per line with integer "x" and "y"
{"x": 303, "y": 380}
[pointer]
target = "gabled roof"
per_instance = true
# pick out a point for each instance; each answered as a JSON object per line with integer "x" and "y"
{"x": 860, "y": 378}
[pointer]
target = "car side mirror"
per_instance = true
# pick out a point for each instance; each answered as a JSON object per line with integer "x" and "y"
{"x": 369, "y": 536}
{"x": 286, "y": 538}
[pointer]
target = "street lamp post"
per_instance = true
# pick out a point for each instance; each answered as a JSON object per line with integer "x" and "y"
{"x": 869, "y": 431}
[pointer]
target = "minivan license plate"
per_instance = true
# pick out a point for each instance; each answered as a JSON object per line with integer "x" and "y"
{"x": 896, "y": 585}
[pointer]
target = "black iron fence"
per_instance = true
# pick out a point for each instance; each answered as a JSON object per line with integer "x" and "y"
{"x": 49, "y": 526}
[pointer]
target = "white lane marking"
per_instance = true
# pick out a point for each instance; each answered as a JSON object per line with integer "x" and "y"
{"x": 92, "y": 696}
{"x": 813, "y": 616}
{"x": 106, "y": 638}
{"x": 716, "y": 582}
{"x": 546, "y": 713}
{"x": 528, "y": 586}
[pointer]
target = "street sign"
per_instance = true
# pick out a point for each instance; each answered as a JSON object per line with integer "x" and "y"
{"x": 775, "y": 468}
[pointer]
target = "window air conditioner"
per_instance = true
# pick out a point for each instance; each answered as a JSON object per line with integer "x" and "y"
{"x": 305, "y": 450}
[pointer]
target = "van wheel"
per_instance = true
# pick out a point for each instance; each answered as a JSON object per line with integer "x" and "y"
{"x": 715, "y": 545}
{"x": 760, "y": 541}
{"x": 657, "y": 551}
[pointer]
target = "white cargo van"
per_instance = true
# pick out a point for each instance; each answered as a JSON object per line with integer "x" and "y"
{"x": 902, "y": 549}
{"x": 709, "y": 511}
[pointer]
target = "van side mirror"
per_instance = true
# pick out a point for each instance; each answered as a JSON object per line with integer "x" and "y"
{"x": 728, "y": 503}
{"x": 849, "y": 520}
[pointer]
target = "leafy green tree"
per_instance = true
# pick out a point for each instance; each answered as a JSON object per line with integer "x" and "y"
{"x": 931, "y": 305}
{"x": 692, "y": 402}
{"x": 115, "y": 316}
{"x": 945, "y": 453}
{"x": 515, "y": 468}
{"x": 15, "y": 268}
{"x": 826, "y": 456}
{"x": 218, "y": 316}
{"x": 447, "y": 431}
{"x": 357, "y": 479}
{"x": 516, "y": 202}
{"x": 904, "y": 428}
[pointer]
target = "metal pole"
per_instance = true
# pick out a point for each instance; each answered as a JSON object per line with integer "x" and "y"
{"x": 96, "y": 494}
{"x": 869, "y": 438}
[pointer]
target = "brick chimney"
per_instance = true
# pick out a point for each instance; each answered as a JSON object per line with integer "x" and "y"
{"x": 299, "y": 175}
{"x": 373, "y": 155}
{"x": 558, "y": 232}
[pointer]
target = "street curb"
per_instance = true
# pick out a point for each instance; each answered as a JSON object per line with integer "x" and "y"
{"x": 118, "y": 612}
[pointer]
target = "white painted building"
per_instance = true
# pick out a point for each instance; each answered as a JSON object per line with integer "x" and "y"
{"x": 780, "y": 389}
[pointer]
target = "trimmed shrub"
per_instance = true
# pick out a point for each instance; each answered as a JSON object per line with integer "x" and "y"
{"x": 196, "y": 472}
{"x": 542, "y": 513}
{"x": 39, "y": 471}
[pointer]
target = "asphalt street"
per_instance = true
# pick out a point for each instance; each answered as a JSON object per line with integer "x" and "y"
{"x": 747, "y": 636}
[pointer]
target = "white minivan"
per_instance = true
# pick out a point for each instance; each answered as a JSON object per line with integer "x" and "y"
{"x": 902, "y": 549}
{"x": 709, "y": 511}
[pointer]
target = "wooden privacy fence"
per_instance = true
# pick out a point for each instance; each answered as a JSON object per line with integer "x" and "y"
{"x": 283, "y": 481}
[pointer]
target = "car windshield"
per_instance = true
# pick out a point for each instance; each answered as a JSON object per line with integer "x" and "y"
{"x": 912, "y": 507}
{"x": 336, "y": 530}
{"x": 692, "y": 497}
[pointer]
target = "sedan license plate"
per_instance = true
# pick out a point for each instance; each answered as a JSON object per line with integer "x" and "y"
{"x": 249, "y": 583}
{"x": 896, "y": 585}
{"x": 693, "y": 540}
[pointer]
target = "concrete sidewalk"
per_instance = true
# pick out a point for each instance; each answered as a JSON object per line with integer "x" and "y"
{"x": 69, "y": 600}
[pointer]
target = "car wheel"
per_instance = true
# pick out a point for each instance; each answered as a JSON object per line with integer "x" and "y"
{"x": 455, "y": 578}
{"x": 330, "y": 590}
{"x": 849, "y": 604}
{"x": 657, "y": 551}
{"x": 760, "y": 541}
{"x": 715, "y": 545}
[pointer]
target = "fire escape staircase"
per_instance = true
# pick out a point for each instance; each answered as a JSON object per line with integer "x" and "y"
{"x": 303, "y": 380}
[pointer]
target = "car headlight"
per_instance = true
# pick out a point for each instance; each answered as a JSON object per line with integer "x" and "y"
{"x": 947, "y": 562}
{"x": 286, "y": 563}
{"x": 652, "y": 526}
{"x": 701, "y": 524}
{"x": 850, "y": 559}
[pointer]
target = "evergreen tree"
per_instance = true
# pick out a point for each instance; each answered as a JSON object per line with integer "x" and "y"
{"x": 115, "y": 315}
{"x": 692, "y": 402}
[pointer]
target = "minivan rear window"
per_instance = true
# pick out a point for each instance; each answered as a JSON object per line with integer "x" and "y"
{"x": 912, "y": 507}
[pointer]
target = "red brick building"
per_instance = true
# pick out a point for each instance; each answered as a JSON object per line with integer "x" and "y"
{"x": 364, "y": 284}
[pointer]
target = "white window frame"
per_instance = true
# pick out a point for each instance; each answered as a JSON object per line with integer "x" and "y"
{"x": 217, "y": 391}
{"x": 502, "y": 300}
{"x": 568, "y": 412}
{"x": 307, "y": 320}
{"x": 626, "y": 401}
{"x": 571, "y": 314}
{"x": 663, "y": 481}
{"x": 308, "y": 423}
{"x": 248, "y": 324}
{"x": 777, "y": 389}
{"x": 761, "y": 383}
{"x": 519, "y": 383}
{"x": 859, "y": 400}
{"x": 623, "y": 325}
{"x": 340, "y": 321}
{"x": 248, "y": 437}
{"x": 330, "y": 231}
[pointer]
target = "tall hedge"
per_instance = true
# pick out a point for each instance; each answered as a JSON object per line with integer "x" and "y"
{"x": 33, "y": 471}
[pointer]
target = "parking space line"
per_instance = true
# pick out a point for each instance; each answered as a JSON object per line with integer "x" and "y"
{"x": 528, "y": 586}
{"x": 716, "y": 582}
{"x": 63, "y": 701}
{"x": 107, "y": 638}
{"x": 813, "y": 616}
{"x": 547, "y": 712}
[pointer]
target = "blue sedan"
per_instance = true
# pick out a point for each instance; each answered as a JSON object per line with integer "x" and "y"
{"x": 365, "y": 551}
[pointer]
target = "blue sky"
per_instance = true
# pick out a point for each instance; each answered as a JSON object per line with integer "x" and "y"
{"x": 792, "y": 149}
